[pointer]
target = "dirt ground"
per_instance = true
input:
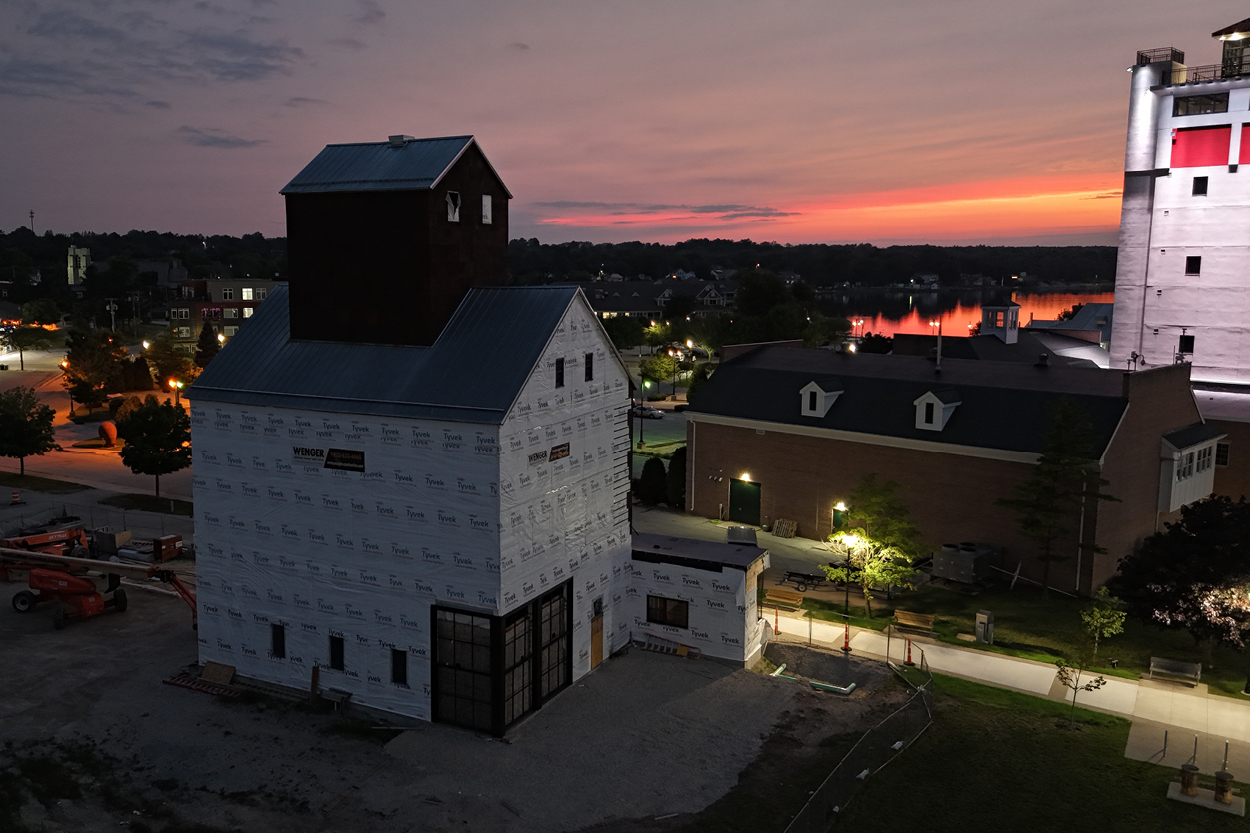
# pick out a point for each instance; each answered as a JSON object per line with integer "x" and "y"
{"x": 93, "y": 741}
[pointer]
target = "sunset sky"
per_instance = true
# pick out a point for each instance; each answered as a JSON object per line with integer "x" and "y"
{"x": 805, "y": 121}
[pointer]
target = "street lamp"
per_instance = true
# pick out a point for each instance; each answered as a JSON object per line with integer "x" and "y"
{"x": 221, "y": 338}
{"x": 145, "y": 344}
{"x": 64, "y": 371}
{"x": 642, "y": 420}
{"x": 176, "y": 387}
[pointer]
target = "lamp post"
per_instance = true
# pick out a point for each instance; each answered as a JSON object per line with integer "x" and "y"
{"x": 64, "y": 372}
{"x": 176, "y": 387}
{"x": 938, "y": 325}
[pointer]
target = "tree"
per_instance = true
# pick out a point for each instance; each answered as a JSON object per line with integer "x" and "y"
{"x": 702, "y": 372}
{"x": 1194, "y": 574}
{"x": 1065, "y": 477}
{"x": 659, "y": 368}
{"x": 1070, "y": 677}
{"x": 881, "y": 544}
{"x": 23, "y": 338}
{"x": 625, "y": 332}
{"x": 207, "y": 347}
{"x": 676, "y": 495}
{"x": 1103, "y": 617}
{"x": 93, "y": 359}
{"x": 25, "y": 426}
{"x": 653, "y": 484}
{"x": 41, "y": 311}
{"x": 158, "y": 438}
{"x": 169, "y": 362}
{"x": 876, "y": 344}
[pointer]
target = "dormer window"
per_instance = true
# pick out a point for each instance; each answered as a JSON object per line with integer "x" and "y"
{"x": 1187, "y": 471}
{"x": 934, "y": 409}
{"x": 817, "y": 397}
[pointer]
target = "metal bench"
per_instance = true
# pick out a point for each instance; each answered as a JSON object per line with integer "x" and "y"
{"x": 908, "y": 621}
{"x": 1174, "y": 669}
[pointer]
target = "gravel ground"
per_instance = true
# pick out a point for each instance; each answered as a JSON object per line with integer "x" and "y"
{"x": 825, "y": 665}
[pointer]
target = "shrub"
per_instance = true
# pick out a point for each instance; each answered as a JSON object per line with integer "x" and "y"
{"x": 653, "y": 485}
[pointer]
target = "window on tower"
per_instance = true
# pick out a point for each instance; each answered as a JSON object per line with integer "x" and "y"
{"x": 1200, "y": 186}
{"x": 1193, "y": 265}
{"x": 1197, "y": 105}
{"x": 1186, "y": 345}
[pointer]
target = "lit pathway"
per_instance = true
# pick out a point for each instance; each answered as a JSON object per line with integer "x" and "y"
{"x": 1154, "y": 707}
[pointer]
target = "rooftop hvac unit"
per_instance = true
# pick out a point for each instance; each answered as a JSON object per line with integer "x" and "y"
{"x": 967, "y": 562}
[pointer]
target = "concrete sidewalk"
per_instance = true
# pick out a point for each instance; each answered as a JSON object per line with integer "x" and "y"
{"x": 1153, "y": 706}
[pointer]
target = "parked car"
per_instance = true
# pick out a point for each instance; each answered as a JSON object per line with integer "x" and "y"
{"x": 646, "y": 412}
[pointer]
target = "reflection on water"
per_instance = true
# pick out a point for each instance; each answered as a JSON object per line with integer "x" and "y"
{"x": 888, "y": 313}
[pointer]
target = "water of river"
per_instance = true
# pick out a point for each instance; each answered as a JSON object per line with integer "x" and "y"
{"x": 887, "y": 313}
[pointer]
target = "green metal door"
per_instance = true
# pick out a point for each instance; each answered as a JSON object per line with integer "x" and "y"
{"x": 744, "y": 502}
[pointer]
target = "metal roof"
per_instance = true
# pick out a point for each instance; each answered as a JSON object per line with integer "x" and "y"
{"x": 1240, "y": 27}
{"x": 414, "y": 164}
{"x": 1004, "y": 405}
{"x": 472, "y": 373}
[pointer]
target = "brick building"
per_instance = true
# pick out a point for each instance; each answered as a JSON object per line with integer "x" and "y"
{"x": 225, "y": 305}
{"x": 787, "y": 433}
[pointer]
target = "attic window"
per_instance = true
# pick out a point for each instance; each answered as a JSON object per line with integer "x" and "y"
{"x": 934, "y": 409}
{"x": 453, "y": 206}
{"x": 817, "y": 397}
{"x": 811, "y": 400}
{"x": 559, "y": 373}
{"x": 486, "y": 210}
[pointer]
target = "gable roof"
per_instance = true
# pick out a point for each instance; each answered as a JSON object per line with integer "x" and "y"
{"x": 472, "y": 373}
{"x": 1004, "y": 405}
{"x": 1241, "y": 26}
{"x": 413, "y": 165}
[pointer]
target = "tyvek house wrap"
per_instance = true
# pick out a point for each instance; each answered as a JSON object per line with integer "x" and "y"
{"x": 442, "y": 513}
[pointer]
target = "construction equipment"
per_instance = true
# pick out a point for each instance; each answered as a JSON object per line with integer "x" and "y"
{"x": 72, "y": 541}
{"x": 79, "y": 586}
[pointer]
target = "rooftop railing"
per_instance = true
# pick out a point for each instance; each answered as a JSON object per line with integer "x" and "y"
{"x": 1165, "y": 53}
{"x": 1212, "y": 72}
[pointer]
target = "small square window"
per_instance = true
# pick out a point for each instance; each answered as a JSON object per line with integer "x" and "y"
{"x": 672, "y": 612}
{"x": 231, "y": 312}
{"x": 277, "y": 641}
{"x": 1200, "y": 186}
{"x": 453, "y": 206}
{"x": 247, "y": 293}
{"x": 486, "y": 210}
{"x": 590, "y": 367}
{"x": 261, "y": 293}
{"x": 559, "y": 373}
{"x": 1186, "y": 344}
{"x": 1193, "y": 265}
{"x": 336, "y": 653}
{"x": 247, "y": 312}
{"x": 1221, "y": 454}
{"x": 229, "y": 331}
{"x": 227, "y": 293}
{"x": 399, "y": 667}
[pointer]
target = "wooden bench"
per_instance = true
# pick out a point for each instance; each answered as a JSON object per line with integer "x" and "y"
{"x": 921, "y": 622}
{"x": 783, "y": 598}
{"x": 1175, "y": 669}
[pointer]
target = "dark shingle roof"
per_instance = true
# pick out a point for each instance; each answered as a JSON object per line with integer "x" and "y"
{"x": 1192, "y": 435}
{"x": 704, "y": 555}
{"x": 472, "y": 373}
{"x": 380, "y": 166}
{"x": 1004, "y": 405}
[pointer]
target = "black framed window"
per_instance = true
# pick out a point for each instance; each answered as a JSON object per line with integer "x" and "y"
{"x": 1200, "y": 186}
{"x": 1193, "y": 265}
{"x": 554, "y": 667}
{"x": 462, "y": 667}
{"x": 1221, "y": 454}
{"x": 590, "y": 367}
{"x": 928, "y": 413}
{"x": 336, "y": 653}
{"x": 559, "y": 373}
{"x": 399, "y": 667}
{"x": 277, "y": 641}
{"x": 811, "y": 400}
{"x": 1198, "y": 105}
{"x": 517, "y": 667}
{"x": 664, "y": 611}
{"x": 1186, "y": 344}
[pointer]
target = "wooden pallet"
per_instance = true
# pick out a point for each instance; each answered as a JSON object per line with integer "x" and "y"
{"x": 783, "y": 528}
{"x": 197, "y": 684}
{"x": 666, "y": 646}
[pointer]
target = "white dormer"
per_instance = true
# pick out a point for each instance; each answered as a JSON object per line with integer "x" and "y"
{"x": 818, "y": 396}
{"x": 1187, "y": 468}
{"x": 935, "y": 408}
{"x": 1002, "y": 321}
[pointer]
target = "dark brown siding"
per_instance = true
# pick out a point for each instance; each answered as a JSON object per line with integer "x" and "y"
{"x": 1233, "y": 480}
{"x": 387, "y": 267}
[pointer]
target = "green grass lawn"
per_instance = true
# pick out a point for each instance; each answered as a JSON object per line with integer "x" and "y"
{"x": 998, "y": 760}
{"x": 46, "y": 485}
{"x": 1026, "y": 626}
{"x": 150, "y": 503}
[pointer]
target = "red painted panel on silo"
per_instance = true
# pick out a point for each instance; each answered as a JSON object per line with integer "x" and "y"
{"x": 1199, "y": 147}
{"x": 1243, "y": 158}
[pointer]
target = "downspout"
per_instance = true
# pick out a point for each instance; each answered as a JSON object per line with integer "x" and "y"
{"x": 691, "y": 469}
{"x": 1080, "y": 538}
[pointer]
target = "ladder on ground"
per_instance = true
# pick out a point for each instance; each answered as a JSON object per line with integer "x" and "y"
{"x": 666, "y": 646}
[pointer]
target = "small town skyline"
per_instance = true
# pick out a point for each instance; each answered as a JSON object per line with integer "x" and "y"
{"x": 614, "y": 123}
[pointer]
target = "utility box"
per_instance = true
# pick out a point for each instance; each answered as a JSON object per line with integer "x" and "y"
{"x": 966, "y": 563}
{"x": 167, "y": 547}
{"x": 985, "y": 627}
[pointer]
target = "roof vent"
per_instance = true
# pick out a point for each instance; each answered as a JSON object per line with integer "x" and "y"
{"x": 1043, "y": 360}
{"x": 400, "y": 140}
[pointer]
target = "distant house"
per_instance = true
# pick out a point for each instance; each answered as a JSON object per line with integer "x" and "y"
{"x": 647, "y": 300}
{"x": 1092, "y": 323}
